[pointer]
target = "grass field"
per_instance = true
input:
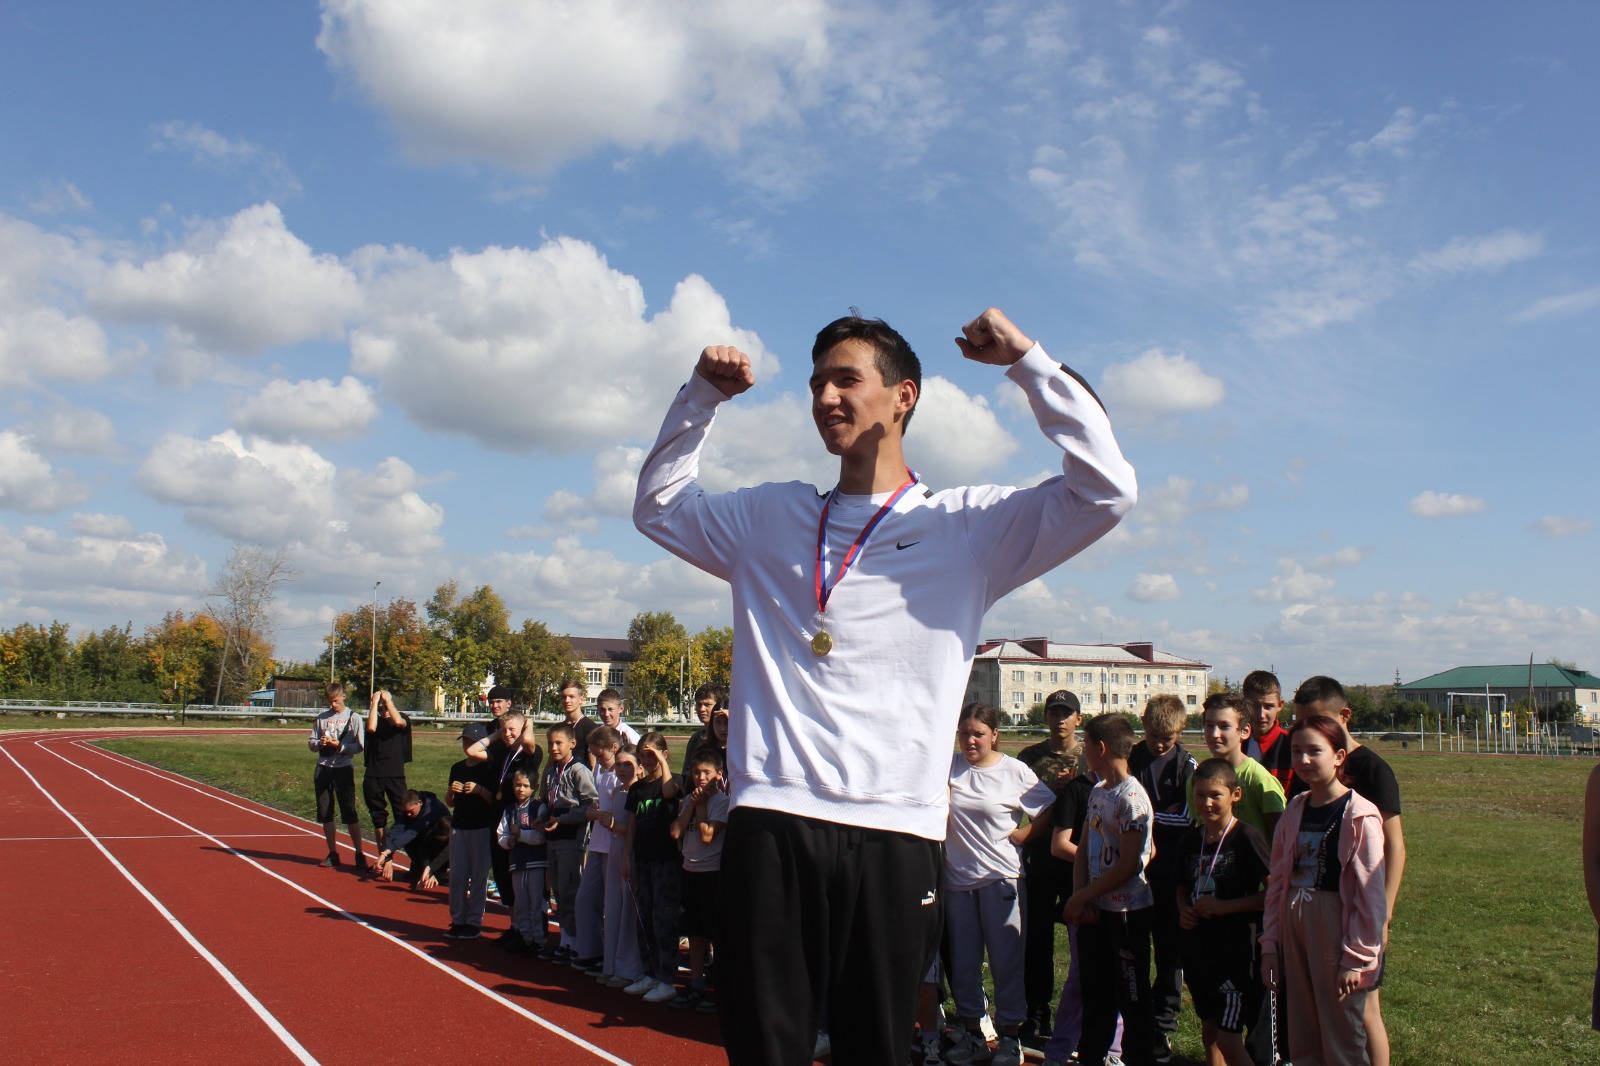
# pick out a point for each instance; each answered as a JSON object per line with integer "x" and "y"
{"x": 1492, "y": 951}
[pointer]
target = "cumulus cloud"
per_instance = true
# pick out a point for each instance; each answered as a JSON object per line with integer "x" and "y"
{"x": 27, "y": 481}
{"x": 1156, "y": 384}
{"x": 285, "y": 410}
{"x": 338, "y": 522}
{"x": 533, "y": 349}
{"x": 1561, "y": 525}
{"x": 1445, "y": 504}
{"x": 266, "y": 171}
{"x": 46, "y": 344}
{"x": 955, "y": 438}
{"x": 105, "y": 569}
{"x": 240, "y": 287}
{"x": 1471, "y": 255}
{"x": 78, "y": 430}
{"x": 1154, "y": 588}
{"x": 530, "y": 86}
{"x": 1561, "y": 306}
{"x": 1293, "y": 583}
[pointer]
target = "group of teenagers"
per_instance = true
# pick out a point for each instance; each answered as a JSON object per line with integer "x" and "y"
{"x": 859, "y": 850}
{"x": 1263, "y": 877}
{"x": 604, "y": 857}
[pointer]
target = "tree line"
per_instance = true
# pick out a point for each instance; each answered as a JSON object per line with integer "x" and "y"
{"x": 452, "y": 643}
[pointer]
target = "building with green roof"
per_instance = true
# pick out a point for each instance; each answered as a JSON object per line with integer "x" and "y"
{"x": 1506, "y": 685}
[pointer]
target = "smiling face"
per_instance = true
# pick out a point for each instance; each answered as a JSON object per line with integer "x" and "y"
{"x": 610, "y": 713}
{"x": 852, "y": 407}
{"x": 510, "y": 731}
{"x": 1223, "y": 732}
{"x": 561, "y": 746}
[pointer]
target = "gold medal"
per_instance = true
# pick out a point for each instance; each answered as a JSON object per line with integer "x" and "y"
{"x": 822, "y": 644}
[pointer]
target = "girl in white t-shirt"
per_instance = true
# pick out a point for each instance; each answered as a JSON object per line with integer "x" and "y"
{"x": 989, "y": 793}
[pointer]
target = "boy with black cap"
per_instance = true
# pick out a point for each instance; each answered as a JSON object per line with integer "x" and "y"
{"x": 1047, "y": 879}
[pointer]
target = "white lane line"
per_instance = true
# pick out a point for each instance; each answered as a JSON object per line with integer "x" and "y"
{"x": 254, "y": 1004}
{"x": 544, "y": 1023}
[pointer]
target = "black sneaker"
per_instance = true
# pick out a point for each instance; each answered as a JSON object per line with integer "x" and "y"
{"x": 688, "y": 999}
{"x": 589, "y": 965}
{"x": 563, "y": 956}
{"x": 330, "y": 861}
{"x": 454, "y": 932}
{"x": 707, "y": 1004}
{"x": 511, "y": 940}
{"x": 463, "y": 932}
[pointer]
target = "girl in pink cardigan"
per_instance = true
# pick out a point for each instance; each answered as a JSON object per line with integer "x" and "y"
{"x": 1323, "y": 925}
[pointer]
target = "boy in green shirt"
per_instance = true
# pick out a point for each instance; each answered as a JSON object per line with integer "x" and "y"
{"x": 1261, "y": 801}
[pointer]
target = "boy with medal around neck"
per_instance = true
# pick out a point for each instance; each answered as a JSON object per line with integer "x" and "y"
{"x": 838, "y": 745}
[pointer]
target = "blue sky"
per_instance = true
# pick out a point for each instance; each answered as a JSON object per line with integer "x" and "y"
{"x": 407, "y": 288}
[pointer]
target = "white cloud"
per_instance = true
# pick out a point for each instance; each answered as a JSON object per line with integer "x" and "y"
{"x": 284, "y": 410}
{"x": 1154, "y": 588}
{"x": 45, "y": 344}
{"x": 101, "y": 525}
{"x": 1341, "y": 559}
{"x": 27, "y": 481}
{"x": 1155, "y": 385}
{"x": 1570, "y": 303}
{"x": 530, "y": 86}
{"x": 102, "y": 570}
{"x": 1395, "y": 138}
{"x": 1561, "y": 525}
{"x": 1480, "y": 254}
{"x": 1444, "y": 504}
{"x": 954, "y": 439}
{"x": 1293, "y": 583}
{"x": 240, "y": 287}
{"x": 60, "y": 197}
{"x": 268, "y": 174}
{"x": 546, "y": 349}
{"x": 79, "y": 430}
{"x": 341, "y": 524}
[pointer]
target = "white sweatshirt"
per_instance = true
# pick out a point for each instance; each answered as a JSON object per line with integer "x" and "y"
{"x": 862, "y": 736}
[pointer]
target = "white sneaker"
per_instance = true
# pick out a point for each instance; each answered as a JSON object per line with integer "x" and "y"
{"x": 823, "y": 1046}
{"x": 662, "y": 992}
{"x": 1009, "y": 1053}
{"x": 970, "y": 1049}
{"x": 641, "y": 986}
{"x": 986, "y": 1026}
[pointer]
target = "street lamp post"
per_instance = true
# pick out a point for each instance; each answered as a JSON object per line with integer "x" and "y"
{"x": 372, "y": 672}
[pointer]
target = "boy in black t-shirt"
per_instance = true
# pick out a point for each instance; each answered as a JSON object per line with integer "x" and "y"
{"x": 474, "y": 816}
{"x": 1221, "y": 867}
{"x": 386, "y": 752}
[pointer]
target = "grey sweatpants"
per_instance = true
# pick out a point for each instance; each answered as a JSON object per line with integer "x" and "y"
{"x": 469, "y": 874}
{"x": 566, "y": 869}
{"x": 989, "y": 916}
{"x": 1324, "y": 1030}
{"x": 591, "y": 906}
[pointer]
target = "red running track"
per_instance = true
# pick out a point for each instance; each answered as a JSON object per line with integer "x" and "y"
{"x": 147, "y": 917}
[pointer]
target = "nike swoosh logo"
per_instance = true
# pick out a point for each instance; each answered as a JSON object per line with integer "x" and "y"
{"x": 902, "y": 547}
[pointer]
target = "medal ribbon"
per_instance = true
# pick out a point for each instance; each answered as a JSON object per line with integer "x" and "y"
{"x": 823, "y": 589}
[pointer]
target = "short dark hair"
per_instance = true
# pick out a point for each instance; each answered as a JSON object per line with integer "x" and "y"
{"x": 562, "y": 728}
{"x": 572, "y": 682}
{"x": 609, "y": 695}
{"x": 1112, "y": 730}
{"x": 1229, "y": 700}
{"x": 332, "y": 689}
{"x": 1319, "y": 689}
{"x": 896, "y": 362}
{"x": 1259, "y": 684}
{"x": 705, "y": 755}
{"x": 411, "y": 796}
{"x": 712, "y": 691}
{"x": 1219, "y": 770}
{"x": 603, "y": 737}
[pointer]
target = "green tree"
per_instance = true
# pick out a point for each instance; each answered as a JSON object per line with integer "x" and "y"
{"x": 711, "y": 658}
{"x": 184, "y": 655}
{"x": 533, "y": 661}
{"x": 112, "y": 665}
{"x": 409, "y": 652}
{"x": 471, "y": 632}
{"x": 37, "y": 662}
{"x": 660, "y": 653}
